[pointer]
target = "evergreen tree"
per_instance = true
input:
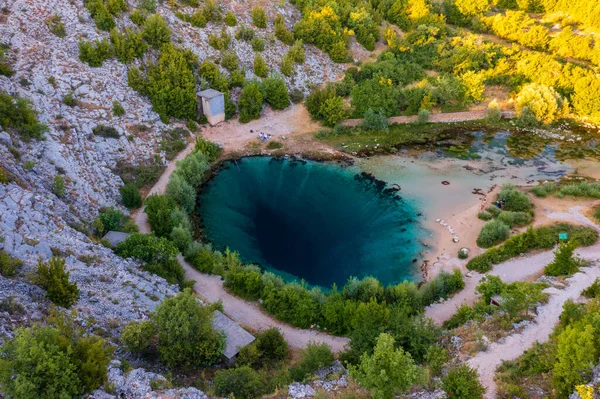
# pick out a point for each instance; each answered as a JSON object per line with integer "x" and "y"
{"x": 250, "y": 103}
{"x": 55, "y": 280}
{"x": 156, "y": 31}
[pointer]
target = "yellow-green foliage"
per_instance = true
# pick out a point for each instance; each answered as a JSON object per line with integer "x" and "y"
{"x": 543, "y": 101}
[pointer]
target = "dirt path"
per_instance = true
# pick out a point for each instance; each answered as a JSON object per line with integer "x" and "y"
{"x": 211, "y": 287}
{"x": 514, "y": 345}
{"x": 517, "y": 269}
{"x": 437, "y": 118}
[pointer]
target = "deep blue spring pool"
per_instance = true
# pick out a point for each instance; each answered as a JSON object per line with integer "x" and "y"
{"x": 314, "y": 221}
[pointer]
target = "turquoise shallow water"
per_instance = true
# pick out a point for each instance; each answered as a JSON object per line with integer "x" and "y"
{"x": 314, "y": 221}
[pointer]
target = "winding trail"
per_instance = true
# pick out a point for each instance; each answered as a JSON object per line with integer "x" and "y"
{"x": 522, "y": 269}
{"x": 211, "y": 287}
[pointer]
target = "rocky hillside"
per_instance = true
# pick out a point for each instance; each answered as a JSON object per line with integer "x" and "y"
{"x": 37, "y": 224}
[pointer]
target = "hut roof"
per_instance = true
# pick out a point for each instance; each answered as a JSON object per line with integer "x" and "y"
{"x": 235, "y": 336}
{"x": 115, "y": 237}
{"x": 209, "y": 93}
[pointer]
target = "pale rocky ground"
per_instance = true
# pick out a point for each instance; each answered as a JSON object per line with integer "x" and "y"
{"x": 34, "y": 223}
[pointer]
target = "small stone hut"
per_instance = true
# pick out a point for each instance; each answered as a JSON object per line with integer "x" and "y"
{"x": 235, "y": 336}
{"x": 115, "y": 237}
{"x": 212, "y": 104}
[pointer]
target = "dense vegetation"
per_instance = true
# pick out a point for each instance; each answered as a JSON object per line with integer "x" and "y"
{"x": 60, "y": 360}
{"x": 561, "y": 364}
{"x": 18, "y": 115}
{"x": 545, "y": 237}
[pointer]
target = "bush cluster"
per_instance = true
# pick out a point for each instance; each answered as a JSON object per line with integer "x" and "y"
{"x": 53, "y": 361}
{"x": 180, "y": 331}
{"x": 53, "y": 277}
{"x": 17, "y": 114}
{"x": 539, "y": 238}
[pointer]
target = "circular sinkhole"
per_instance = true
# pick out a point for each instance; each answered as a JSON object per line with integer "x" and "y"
{"x": 315, "y": 221}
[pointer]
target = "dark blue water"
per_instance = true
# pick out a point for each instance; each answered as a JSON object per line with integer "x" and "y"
{"x": 313, "y": 221}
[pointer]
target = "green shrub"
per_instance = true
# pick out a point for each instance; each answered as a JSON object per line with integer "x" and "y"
{"x": 130, "y": 196}
{"x": 334, "y": 111}
{"x": 314, "y": 357}
{"x": 593, "y": 291}
{"x": 296, "y": 52}
{"x": 198, "y": 19}
{"x": 194, "y": 167}
{"x": 58, "y": 186}
{"x": 156, "y": 31}
{"x": 8, "y": 265}
{"x": 137, "y": 336}
{"x": 260, "y": 66}
{"x": 147, "y": 5}
{"x": 274, "y": 145}
{"x": 484, "y": 216}
{"x": 544, "y": 190}
{"x": 276, "y": 94}
{"x": 211, "y": 150}
{"x": 230, "y": 61}
{"x": 375, "y": 120}
{"x": 95, "y": 53}
{"x": 118, "y": 109}
{"x": 158, "y": 209}
{"x": 515, "y": 218}
{"x": 259, "y": 18}
{"x": 565, "y": 263}
{"x": 56, "y": 26}
{"x": 463, "y": 314}
{"x": 109, "y": 219}
{"x": 245, "y": 33}
{"x": 388, "y": 371}
{"x": 272, "y": 344}
{"x": 258, "y": 44}
{"x": 244, "y": 281}
{"x": 462, "y": 382}
{"x": 202, "y": 257}
{"x": 241, "y": 382}
{"x": 101, "y": 14}
{"x": 281, "y": 31}
{"x": 219, "y": 42}
{"x": 250, "y": 103}
{"x": 423, "y": 116}
{"x": 230, "y": 19}
{"x": 106, "y": 131}
{"x": 492, "y": 233}
{"x": 515, "y": 200}
{"x": 296, "y": 96}
{"x": 185, "y": 333}
{"x": 45, "y": 362}
{"x": 128, "y": 45}
{"x": 69, "y": 100}
{"x": 137, "y": 17}
{"x": 287, "y": 65}
{"x": 18, "y": 114}
{"x": 181, "y": 192}
{"x": 493, "y": 112}
{"x": 442, "y": 286}
{"x": 55, "y": 280}
{"x": 181, "y": 237}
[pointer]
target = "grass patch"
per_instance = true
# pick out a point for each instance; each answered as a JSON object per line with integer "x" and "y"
{"x": 580, "y": 189}
{"x": 368, "y": 142}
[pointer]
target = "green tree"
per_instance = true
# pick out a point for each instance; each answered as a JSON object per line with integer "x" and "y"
{"x": 388, "y": 371}
{"x": 156, "y": 31}
{"x": 585, "y": 97}
{"x": 58, "y": 186}
{"x": 127, "y": 46}
{"x": 250, "y": 103}
{"x": 185, "y": 333}
{"x": 55, "y": 280}
{"x": 230, "y": 19}
{"x": 158, "y": 209}
{"x": 472, "y": 8}
{"x": 313, "y": 358}
{"x": 565, "y": 262}
{"x": 259, "y": 18}
{"x": 241, "y": 382}
{"x": 543, "y": 101}
{"x": 181, "y": 237}
{"x": 276, "y": 93}
{"x": 137, "y": 336}
{"x": 462, "y": 382}
{"x": 576, "y": 354}
{"x": 287, "y": 65}
{"x": 334, "y": 111}
{"x": 130, "y": 196}
{"x": 36, "y": 364}
{"x": 181, "y": 192}
{"x": 193, "y": 168}
{"x": 260, "y": 66}
{"x": 171, "y": 84}
{"x": 17, "y": 114}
